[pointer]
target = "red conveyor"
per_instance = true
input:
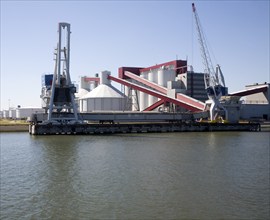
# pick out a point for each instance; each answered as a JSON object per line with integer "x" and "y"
{"x": 146, "y": 82}
{"x": 184, "y": 102}
{"x": 154, "y": 106}
{"x": 250, "y": 91}
{"x": 186, "y": 99}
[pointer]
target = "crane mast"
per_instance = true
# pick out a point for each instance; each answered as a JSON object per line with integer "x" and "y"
{"x": 62, "y": 100}
{"x": 204, "y": 51}
{"x": 214, "y": 80}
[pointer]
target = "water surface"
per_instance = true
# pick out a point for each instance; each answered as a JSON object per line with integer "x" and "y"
{"x": 189, "y": 175}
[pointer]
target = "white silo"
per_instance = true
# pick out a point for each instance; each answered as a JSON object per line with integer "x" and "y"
{"x": 5, "y": 113}
{"x": 104, "y": 77}
{"x": 83, "y": 83}
{"x": 83, "y": 105}
{"x": 12, "y": 113}
{"x": 152, "y": 76}
{"x": 165, "y": 75}
{"x": 25, "y": 112}
{"x": 82, "y": 92}
{"x": 143, "y": 96}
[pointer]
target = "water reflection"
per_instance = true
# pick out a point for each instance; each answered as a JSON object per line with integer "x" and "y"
{"x": 146, "y": 176}
{"x": 56, "y": 174}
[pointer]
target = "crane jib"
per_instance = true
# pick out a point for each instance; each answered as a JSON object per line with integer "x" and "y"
{"x": 214, "y": 80}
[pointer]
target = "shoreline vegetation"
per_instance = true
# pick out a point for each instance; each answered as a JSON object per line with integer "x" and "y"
{"x": 7, "y": 125}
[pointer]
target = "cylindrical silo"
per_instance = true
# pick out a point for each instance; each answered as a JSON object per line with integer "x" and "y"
{"x": 126, "y": 89}
{"x": 12, "y": 113}
{"x": 104, "y": 77}
{"x": 84, "y": 105}
{"x": 169, "y": 76}
{"x": 5, "y": 113}
{"x": 152, "y": 76}
{"x": 143, "y": 96}
{"x": 161, "y": 80}
{"x": 165, "y": 75}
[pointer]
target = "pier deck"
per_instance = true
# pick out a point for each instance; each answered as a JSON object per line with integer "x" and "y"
{"x": 51, "y": 129}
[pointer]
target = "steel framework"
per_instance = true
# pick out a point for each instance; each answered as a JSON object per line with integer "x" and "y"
{"x": 62, "y": 94}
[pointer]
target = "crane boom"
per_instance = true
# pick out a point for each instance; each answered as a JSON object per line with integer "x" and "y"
{"x": 209, "y": 81}
{"x": 214, "y": 80}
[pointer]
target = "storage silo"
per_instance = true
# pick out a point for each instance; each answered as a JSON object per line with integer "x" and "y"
{"x": 12, "y": 113}
{"x": 152, "y": 76}
{"x": 165, "y": 75}
{"x": 25, "y": 112}
{"x": 143, "y": 96}
{"x": 103, "y": 98}
{"x": 5, "y": 113}
{"x": 82, "y": 92}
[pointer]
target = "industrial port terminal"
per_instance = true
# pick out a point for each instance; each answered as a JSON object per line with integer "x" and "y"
{"x": 166, "y": 97}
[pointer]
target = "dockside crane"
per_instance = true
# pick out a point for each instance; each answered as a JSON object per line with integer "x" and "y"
{"x": 62, "y": 106}
{"x": 213, "y": 79}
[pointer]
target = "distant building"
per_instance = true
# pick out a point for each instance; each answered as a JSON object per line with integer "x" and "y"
{"x": 5, "y": 114}
{"x": 25, "y": 112}
{"x": 20, "y": 112}
{"x": 256, "y": 106}
{"x": 259, "y": 98}
{"x": 194, "y": 85}
{"x": 12, "y": 113}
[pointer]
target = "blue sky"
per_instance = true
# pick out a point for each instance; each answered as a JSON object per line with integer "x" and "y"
{"x": 110, "y": 34}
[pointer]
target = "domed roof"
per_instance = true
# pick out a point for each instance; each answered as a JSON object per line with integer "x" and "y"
{"x": 81, "y": 93}
{"x": 104, "y": 91}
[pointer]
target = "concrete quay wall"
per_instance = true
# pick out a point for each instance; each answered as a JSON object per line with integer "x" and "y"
{"x": 52, "y": 129}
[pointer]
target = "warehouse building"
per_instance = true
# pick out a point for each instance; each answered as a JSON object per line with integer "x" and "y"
{"x": 256, "y": 106}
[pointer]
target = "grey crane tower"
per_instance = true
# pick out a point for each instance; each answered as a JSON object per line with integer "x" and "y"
{"x": 62, "y": 106}
{"x": 214, "y": 80}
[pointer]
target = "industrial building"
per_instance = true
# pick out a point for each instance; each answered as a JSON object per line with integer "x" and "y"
{"x": 173, "y": 78}
{"x": 170, "y": 93}
{"x": 25, "y": 112}
{"x": 256, "y": 106}
{"x": 257, "y": 98}
{"x": 170, "y": 79}
{"x": 12, "y": 113}
{"x": 5, "y": 114}
{"x": 158, "y": 75}
{"x": 98, "y": 94}
{"x": 20, "y": 113}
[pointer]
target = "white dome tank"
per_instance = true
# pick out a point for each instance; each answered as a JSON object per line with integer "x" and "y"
{"x": 103, "y": 98}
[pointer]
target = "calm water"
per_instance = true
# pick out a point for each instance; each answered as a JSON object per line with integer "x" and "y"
{"x": 221, "y": 175}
